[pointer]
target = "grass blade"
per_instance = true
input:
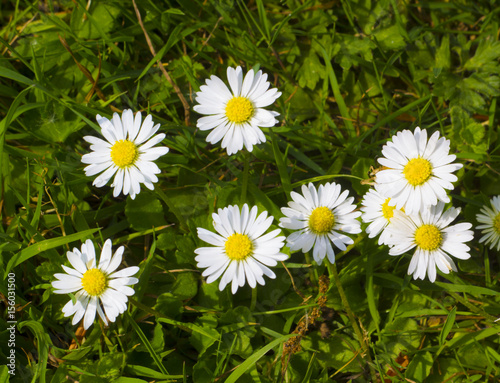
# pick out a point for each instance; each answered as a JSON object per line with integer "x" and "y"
{"x": 48, "y": 244}
{"x": 250, "y": 361}
{"x": 147, "y": 344}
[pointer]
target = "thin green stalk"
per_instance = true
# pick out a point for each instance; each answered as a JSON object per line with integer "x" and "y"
{"x": 362, "y": 341}
{"x": 471, "y": 307}
{"x": 147, "y": 344}
{"x": 487, "y": 273}
{"x": 253, "y": 302}
{"x": 244, "y": 183}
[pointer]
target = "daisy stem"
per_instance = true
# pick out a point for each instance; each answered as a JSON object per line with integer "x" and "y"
{"x": 253, "y": 302}
{"x": 487, "y": 274}
{"x": 362, "y": 341}
{"x": 244, "y": 183}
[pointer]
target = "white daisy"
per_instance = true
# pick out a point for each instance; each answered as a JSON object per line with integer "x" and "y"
{"x": 418, "y": 171}
{"x": 490, "y": 218}
{"x": 429, "y": 232}
{"x": 319, "y": 218}
{"x": 98, "y": 288}
{"x": 127, "y": 153}
{"x": 235, "y": 115}
{"x": 378, "y": 213}
{"x": 241, "y": 252}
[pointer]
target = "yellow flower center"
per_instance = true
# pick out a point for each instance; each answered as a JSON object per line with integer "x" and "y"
{"x": 94, "y": 282}
{"x": 124, "y": 153}
{"x": 496, "y": 223}
{"x": 428, "y": 237}
{"x": 417, "y": 171}
{"x": 321, "y": 220}
{"x": 387, "y": 211}
{"x": 239, "y": 109}
{"x": 238, "y": 247}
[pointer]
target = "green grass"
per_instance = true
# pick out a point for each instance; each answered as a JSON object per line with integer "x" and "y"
{"x": 352, "y": 74}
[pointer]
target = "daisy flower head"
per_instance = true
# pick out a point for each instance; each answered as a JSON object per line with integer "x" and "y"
{"x": 377, "y": 211}
{"x": 417, "y": 170}
{"x": 127, "y": 153}
{"x": 241, "y": 252}
{"x": 320, "y": 218}
{"x": 429, "y": 232}
{"x": 490, "y": 220}
{"x": 98, "y": 287}
{"x": 235, "y": 115}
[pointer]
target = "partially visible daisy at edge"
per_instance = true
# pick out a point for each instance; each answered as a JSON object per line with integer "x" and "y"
{"x": 429, "y": 232}
{"x": 241, "y": 252}
{"x": 378, "y": 213}
{"x": 490, "y": 219}
{"x": 235, "y": 115}
{"x": 99, "y": 288}
{"x": 320, "y": 217}
{"x": 418, "y": 171}
{"x": 127, "y": 153}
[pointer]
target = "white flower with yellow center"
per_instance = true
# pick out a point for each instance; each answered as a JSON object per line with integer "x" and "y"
{"x": 241, "y": 253}
{"x": 434, "y": 239}
{"x": 377, "y": 211}
{"x": 99, "y": 288}
{"x": 235, "y": 115}
{"x": 417, "y": 171}
{"x": 320, "y": 218}
{"x": 490, "y": 219}
{"x": 127, "y": 153}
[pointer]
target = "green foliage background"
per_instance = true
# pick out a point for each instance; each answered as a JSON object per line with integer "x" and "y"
{"x": 352, "y": 74}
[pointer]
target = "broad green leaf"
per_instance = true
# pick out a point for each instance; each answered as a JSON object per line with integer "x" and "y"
{"x": 390, "y": 38}
{"x": 101, "y": 21}
{"x": 443, "y": 369}
{"x": 204, "y": 370}
{"x": 311, "y": 71}
{"x": 472, "y": 355}
{"x": 420, "y": 366}
{"x": 56, "y": 122}
{"x": 202, "y": 342}
{"x": 336, "y": 352}
{"x": 168, "y": 304}
{"x": 485, "y": 57}
{"x": 158, "y": 340}
{"x": 402, "y": 335}
{"x": 443, "y": 54}
{"x": 110, "y": 365}
{"x": 144, "y": 212}
{"x": 166, "y": 240}
{"x": 185, "y": 285}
